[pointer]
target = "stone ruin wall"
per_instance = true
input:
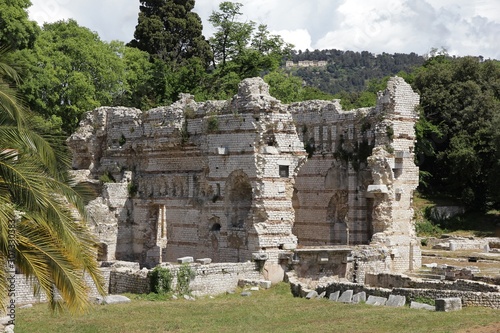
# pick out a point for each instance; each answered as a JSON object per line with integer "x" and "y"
{"x": 357, "y": 185}
{"x": 232, "y": 180}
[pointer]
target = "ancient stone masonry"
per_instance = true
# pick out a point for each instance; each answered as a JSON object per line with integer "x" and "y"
{"x": 251, "y": 178}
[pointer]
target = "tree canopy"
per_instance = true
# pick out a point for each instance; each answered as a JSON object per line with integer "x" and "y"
{"x": 69, "y": 71}
{"x": 460, "y": 100}
{"x": 169, "y": 30}
{"x": 16, "y": 30}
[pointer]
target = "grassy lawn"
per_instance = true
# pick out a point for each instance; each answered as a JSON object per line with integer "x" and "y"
{"x": 274, "y": 310}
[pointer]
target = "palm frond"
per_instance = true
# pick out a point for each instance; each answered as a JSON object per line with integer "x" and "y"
{"x": 52, "y": 246}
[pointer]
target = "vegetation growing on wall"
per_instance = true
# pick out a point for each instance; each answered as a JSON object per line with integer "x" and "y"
{"x": 184, "y": 276}
{"x": 160, "y": 279}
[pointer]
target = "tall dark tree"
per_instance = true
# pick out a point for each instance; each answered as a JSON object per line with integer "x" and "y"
{"x": 16, "y": 30}
{"x": 461, "y": 100}
{"x": 169, "y": 30}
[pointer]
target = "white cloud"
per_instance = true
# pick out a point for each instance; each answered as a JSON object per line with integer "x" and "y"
{"x": 300, "y": 38}
{"x": 463, "y": 27}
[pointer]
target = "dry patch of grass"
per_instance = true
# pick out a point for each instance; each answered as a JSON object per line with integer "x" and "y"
{"x": 272, "y": 310}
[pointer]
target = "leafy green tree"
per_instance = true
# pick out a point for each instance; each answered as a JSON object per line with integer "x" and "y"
{"x": 286, "y": 88}
{"x": 169, "y": 30}
{"x": 232, "y": 36}
{"x": 137, "y": 88}
{"x": 16, "y": 30}
{"x": 251, "y": 50}
{"x": 37, "y": 198}
{"x": 289, "y": 88}
{"x": 460, "y": 98}
{"x": 70, "y": 71}
{"x": 240, "y": 50}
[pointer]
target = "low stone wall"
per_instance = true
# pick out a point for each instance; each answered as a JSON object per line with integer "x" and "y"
{"x": 469, "y": 298}
{"x": 25, "y": 295}
{"x": 401, "y": 281}
{"x": 210, "y": 279}
{"x": 128, "y": 281}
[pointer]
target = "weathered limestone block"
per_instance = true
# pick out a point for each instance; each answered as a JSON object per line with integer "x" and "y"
{"x": 185, "y": 260}
{"x": 346, "y": 296}
{"x": 312, "y": 294}
{"x": 449, "y": 304}
{"x": 334, "y": 296}
{"x": 204, "y": 261}
{"x": 376, "y": 300}
{"x": 396, "y": 301}
{"x": 417, "y": 305}
{"x": 359, "y": 297}
{"x": 265, "y": 284}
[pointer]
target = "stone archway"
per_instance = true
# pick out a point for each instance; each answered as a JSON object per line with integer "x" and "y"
{"x": 238, "y": 198}
{"x": 337, "y": 215}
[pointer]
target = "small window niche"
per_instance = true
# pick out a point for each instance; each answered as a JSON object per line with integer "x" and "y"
{"x": 215, "y": 227}
{"x": 284, "y": 171}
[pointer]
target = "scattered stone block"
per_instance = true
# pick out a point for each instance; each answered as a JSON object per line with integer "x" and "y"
{"x": 189, "y": 298}
{"x": 359, "y": 297}
{"x": 264, "y": 284}
{"x": 346, "y": 296}
{"x": 322, "y": 295}
{"x": 377, "y": 189}
{"x": 4, "y": 321}
{"x": 204, "y": 261}
{"x": 115, "y": 299}
{"x": 449, "y": 304}
{"x": 254, "y": 289}
{"x": 432, "y": 265}
{"x": 27, "y": 306}
{"x": 334, "y": 297}
{"x": 247, "y": 283}
{"x": 185, "y": 260}
{"x": 417, "y": 305}
{"x": 312, "y": 294}
{"x": 396, "y": 301}
{"x": 246, "y": 294}
{"x": 376, "y": 300}
{"x": 126, "y": 265}
{"x": 289, "y": 246}
{"x": 257, "y": 256}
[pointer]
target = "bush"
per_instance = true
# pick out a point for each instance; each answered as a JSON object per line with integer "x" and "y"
{"x": 160, "y": 279}
{"x": 107, "y": 177}
{"x": 184, "y": 277}
{"x": 213, "y": 124}
{"x": 427, "y": 228}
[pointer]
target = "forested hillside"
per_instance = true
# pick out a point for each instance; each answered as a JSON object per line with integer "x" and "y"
{"x": 349, "y": 71}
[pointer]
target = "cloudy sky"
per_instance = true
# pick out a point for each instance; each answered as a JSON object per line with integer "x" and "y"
{"x": 462, "y": 27}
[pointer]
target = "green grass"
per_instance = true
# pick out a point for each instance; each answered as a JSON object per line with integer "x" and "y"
{"x": 273, "y": 310}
